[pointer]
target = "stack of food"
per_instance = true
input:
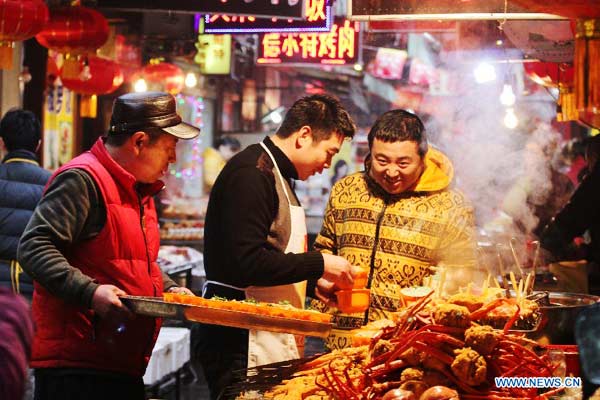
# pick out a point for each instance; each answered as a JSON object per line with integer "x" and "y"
{"x": 432, "y": 349}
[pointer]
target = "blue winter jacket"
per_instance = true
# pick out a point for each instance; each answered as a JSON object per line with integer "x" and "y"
{"x": 22, "y": 182}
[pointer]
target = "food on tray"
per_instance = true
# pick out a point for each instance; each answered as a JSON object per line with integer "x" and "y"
{"x": 528, "y": 314}
{"x": 364, "y": 334}
{"x": 182, "y": 230}
{"x": 417, "y": 357}
{"x": 283, "y": 309}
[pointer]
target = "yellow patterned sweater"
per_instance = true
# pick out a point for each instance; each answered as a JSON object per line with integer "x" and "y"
{"x": 397, "y": 237}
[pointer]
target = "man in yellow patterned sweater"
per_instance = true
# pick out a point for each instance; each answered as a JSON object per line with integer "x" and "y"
{"x": 397, "y": 218}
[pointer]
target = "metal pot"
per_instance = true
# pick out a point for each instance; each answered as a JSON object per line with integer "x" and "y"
{"x": 557, "y": 323}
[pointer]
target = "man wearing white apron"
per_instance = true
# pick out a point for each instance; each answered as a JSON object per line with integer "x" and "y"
{"x": 255, "y": 236}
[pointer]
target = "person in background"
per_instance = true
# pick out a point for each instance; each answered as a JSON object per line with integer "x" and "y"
{"x": 340, "y": 170}
{"x": 215, "y": 159}
{"x": 396, "y": 219}
{"x": 22, "y": 181}
{"x": 256, "y": 240}
{"x": 92, "y": 238}
{"x": 15, "y": 346}
{"x": 581, "y": 215}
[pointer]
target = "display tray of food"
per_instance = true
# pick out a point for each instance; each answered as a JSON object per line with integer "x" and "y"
{"x": 247, "y": 314}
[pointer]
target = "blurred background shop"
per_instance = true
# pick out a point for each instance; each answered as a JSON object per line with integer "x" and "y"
{"x": 506, "y": 88}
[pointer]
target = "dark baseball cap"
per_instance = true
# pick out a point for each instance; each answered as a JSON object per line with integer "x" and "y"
{"x": 136, "y": 111}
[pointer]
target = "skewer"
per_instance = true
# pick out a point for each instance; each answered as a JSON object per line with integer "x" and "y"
{"x": 513, "y": 280}
{"x": 527, "y": 282}
{"x": 521, "y": 294}
{"x": 536, "y": 255}
{"x": 513, "y": 240}
{"x": 502, "y": 273}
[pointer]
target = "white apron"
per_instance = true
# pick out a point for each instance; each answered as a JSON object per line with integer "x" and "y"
{"x": 269, "y": 347}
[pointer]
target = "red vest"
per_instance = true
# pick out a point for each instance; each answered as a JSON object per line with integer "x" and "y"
{"x": 123, "y": 254}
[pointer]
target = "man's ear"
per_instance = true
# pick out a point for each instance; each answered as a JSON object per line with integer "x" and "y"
{"x": 304, "y": 136}
{"x": 138, "y": 140}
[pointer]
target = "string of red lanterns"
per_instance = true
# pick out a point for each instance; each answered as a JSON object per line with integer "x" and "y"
{"x": 19, "y": 20}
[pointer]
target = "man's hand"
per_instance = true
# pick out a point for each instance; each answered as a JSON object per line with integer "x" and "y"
{"x": 325, "y": 291}
{"x": 106, "y": 301}
{"x": 338, "y": 271}
{"x": 180, "y": 290}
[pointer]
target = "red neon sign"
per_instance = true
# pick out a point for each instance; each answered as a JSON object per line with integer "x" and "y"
{"x": 338, "y": 46}
{"x": 318, "y": 18}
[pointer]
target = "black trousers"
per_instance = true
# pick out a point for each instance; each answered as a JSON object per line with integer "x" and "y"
{"x": 221, "y": 351}
{"x": 74, "y": 384}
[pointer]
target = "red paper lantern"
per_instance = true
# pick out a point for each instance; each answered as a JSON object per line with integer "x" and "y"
{"x": 19, "y": 20}
{"x": 100, "y": 76}
{"x": 549, "y": 74}
{"x": 75, "y": 32}
{"x": 105, "y": 77}
{"x": 169, "y": 75}
{"x": 565, "y": 8}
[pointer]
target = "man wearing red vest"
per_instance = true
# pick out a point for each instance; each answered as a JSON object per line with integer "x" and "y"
{"x": 93, "y": 237}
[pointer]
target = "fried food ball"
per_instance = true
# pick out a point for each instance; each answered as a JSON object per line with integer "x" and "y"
{"x": 470, "y": 301}
{"x": 412, "y": 357}
{"x": 411, "y": 374}
{"x": 482, "y": 339}
{"x": 469, "y": 366}
{"x": 528, "y": 315}
{"x": 451, "y": 315}
{"x": 382, "y": 346}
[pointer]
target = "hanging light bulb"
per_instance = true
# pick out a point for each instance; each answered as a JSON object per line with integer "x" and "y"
{"x": 507, "y": 97}
{"x": 510, "y": 119}
{"x": 140, "y": 85}
{"x": 485, "y": 72}
{"x": 191, "y": 80}
{"x": 276, "y": 117}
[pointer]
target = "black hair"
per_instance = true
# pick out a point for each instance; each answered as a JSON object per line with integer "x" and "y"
{"x": 119, "y": 139}
{"x": 399, "y": 126}
{"x": 20, "y": 130}
{"x": 323, "y": 113}
{"x": 229, "y": 141}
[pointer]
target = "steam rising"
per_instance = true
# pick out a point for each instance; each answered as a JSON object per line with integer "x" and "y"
{"x": 497, "y": 168}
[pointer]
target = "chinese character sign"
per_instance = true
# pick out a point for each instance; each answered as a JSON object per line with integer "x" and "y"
{"x": 214, "y": 54}
{"x": 318, "y": 18}
{"x": 338, "y": 46}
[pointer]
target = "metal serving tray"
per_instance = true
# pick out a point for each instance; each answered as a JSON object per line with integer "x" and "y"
{"x": 157, "y": 307}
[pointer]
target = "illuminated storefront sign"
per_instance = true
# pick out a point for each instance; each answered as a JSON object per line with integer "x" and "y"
{"x": 214, "y": 54}
{"x": 265, "y": 8}
{"x": 318, "y": 18}
{"x": 373, "y": 10}
{"x": 338, "y": 46}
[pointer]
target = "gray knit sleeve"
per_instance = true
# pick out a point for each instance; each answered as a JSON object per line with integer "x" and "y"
{"x": 66, "y": 213}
